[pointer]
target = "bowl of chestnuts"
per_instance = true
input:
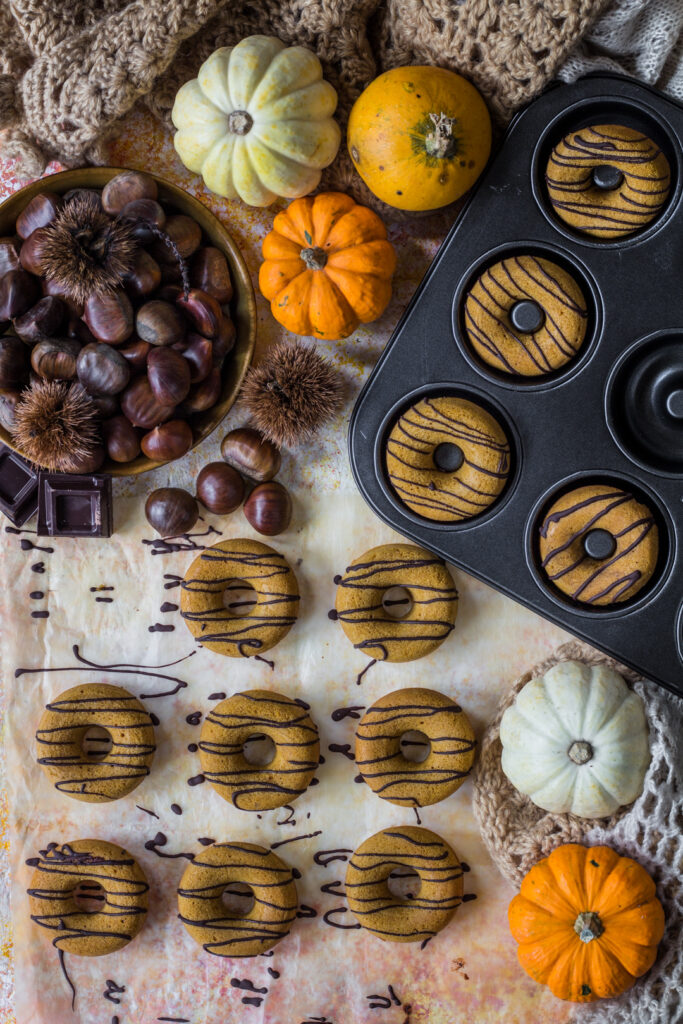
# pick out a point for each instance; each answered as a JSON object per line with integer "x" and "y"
{"x": 127, "y": 321}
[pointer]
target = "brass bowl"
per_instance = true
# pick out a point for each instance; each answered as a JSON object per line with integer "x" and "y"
{"x": 242, "y": 304}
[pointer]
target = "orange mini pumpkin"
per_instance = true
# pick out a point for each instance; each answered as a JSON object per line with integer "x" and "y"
{"x": 587, "y": 922}
{"x": 328, "y": 266}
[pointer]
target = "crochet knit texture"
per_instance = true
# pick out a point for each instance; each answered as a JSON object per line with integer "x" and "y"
{"x": 518, "y": 834}
{"x": 70, "y": 71}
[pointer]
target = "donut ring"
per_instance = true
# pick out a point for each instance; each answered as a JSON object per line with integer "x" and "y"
{"x": 438, "y": 494}
{"x": 59, "y": 870}
{"x": 612, "y": 579}
{"x": 552, "y": 290}
{"x": 231, "y": 723}
{"x": 378, "y": 747}
{"x": 387, "y": 916}
{"x": 359, "y": 607}
{"x": 612, "y": 212}
{"x": 62, "y": 728}
{"x": 224, "y": 565}
{"x": 205, "y": 916}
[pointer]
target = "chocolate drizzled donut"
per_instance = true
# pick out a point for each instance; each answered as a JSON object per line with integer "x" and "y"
{"x": 444, "y": 495}
{"x": 379, "y": 752}
{"x": 248, "y": 786}
{"x": 61, "y": 732}
{"x": 641, "y": 173}
{"x": 58, "y": 872}
{"x": 382, "y": 913}
{"x": 562, "y": 316}
{"x": 635, "y": 547}
{"x": 206, "y": 917}
{"x": 430, "y": 588}
{"x": 229, "y": 564}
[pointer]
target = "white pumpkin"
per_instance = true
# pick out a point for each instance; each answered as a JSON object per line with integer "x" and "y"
{"x": 576, "y": 740}
{"x": 256, "y": 122}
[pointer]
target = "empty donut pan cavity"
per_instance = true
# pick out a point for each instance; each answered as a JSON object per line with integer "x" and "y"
{"x": 573, "y": 344}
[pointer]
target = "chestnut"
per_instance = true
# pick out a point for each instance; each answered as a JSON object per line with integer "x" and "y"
{"x": 106, "y": 405}
{"x": 38, "y": 212}
{"x": 55, "y": 288}
{"x": 171, "y": 511}
{"x": 102, "y": 370}
{"x": 124, "y": 188}
{"x": 168, "y": 292}
{"x": 169, "y": 375}
{"x": 209, "y": 271}
{"x": 220, "y": 488}
{"x": 170, "y": 272}
{"x": 109, "y": 316}
{"x": 121, "y": 439}
{"x": 204, "y": 395}
{"x": 145, "y": 277}
{"x": 141, "y": 407}
{"x": 8, "y": 404}
{"x": 251, "y": 454}
{"x": 269, "y": 508}
{"x": 55, "y": 358}
{"x": 146, "y": 215}
{"x": 13, "y": 363}
{"x": 78, "y": 329}
{"x": 9, "y": 255}
{"x": 136, "y": 352}
{"x": 184, "y": 233}
{"x": 168, "y": 441}
{"x": 202, "y": 310}
{"x": 31, "y": 252}
{"x": 199, "y": 354}
{"x": 43, "y": 320}
{"x": 224, "y": 342}
{"x": 94, "y": 194}
{"x": 18, "y": 292}
{"x": 159, "y": 323}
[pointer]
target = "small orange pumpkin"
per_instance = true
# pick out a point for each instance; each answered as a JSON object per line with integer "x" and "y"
{"x": 587, "y": 922}
{"x": 328, "y": 266}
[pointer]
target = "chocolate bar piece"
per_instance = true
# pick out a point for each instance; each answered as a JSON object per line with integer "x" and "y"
{"x": 18, "y": 487}
{"x": 74, "y": 506}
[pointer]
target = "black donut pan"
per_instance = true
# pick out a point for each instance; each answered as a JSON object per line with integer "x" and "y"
{"x": 598, "y": 419}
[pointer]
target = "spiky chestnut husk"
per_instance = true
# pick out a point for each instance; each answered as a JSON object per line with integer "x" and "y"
{"x": 85, "y": 250}
{"x": 291, "y": 393}
{"x": 56, "y": 426}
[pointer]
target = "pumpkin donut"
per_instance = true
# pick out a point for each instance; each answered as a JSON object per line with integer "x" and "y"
{"x": 227, "y": 565}
{"x": 447, "y": 459}
{"x": 526, "y": 316}
{"x": 598, "y": 544}
{"x": 370, "y": 628}
{"x": 60, "y": 735}
{"x": 231, "y": 723}
{"x": 607, "y": 180}
{"x": 379, "y": 750}
{"x": 216, "y": 928}
{"x": 387, "y": 916}
{"x": 59, "y": 870}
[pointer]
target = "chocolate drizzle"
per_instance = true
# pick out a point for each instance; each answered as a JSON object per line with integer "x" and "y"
{"x": 180, "y": 542}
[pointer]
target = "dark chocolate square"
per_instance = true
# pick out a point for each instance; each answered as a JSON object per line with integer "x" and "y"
{"x": 18, "y": 487}
{"x": 74, "y": 506}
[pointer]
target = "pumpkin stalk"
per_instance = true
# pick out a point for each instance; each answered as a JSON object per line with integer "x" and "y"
{"x": 440, "y": 142}
{"x": 240, "y": 122}
{"x": 580, "y": 752}
{"x": 315, "y": 258}
{"x": 588, "y": 926}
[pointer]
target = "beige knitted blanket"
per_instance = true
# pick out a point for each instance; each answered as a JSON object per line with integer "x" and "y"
{"x": 70, "y": 70}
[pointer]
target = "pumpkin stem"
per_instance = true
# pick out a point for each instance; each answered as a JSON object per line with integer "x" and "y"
{"x": 580, "y": 752}
{"x": 440, "y": 142}
{"x": 588, "y": 926}
{"x": 239, "y": 122}
{"x": 315, "y": 259}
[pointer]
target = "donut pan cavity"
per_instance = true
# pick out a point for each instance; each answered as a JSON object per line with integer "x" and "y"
{"x": 612, "y": 415}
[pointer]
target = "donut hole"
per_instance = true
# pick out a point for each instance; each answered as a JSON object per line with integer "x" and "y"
{"x": 238, "y": 899}
{"x": 448, "y": 457}
{"x": 89, "y": 896}
{"x": 239, "y": 598}
{"x": 259, "y": 750}
{"x": 397, "y": 602}
{"x": 404, "y": 883}
{"x": 97, "y": 742}
{"x": 415, "y": 746}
